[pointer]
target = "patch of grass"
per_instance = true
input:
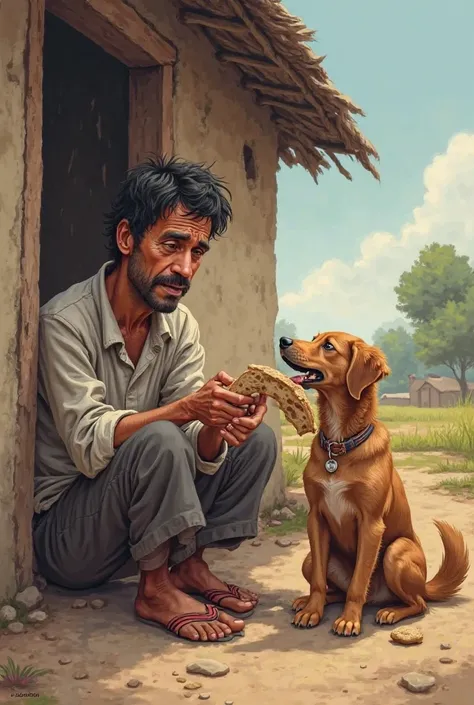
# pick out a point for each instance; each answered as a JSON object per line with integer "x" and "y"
{"x": 465, "y": 466}
{"x": 294, "y": 464}
{"x": 456, "y": 437}
{"x": 289, "y": 526}
{"x": 463, "y": 486}
{"x": 413, "y": 414}
{"x": 416, "y": 461}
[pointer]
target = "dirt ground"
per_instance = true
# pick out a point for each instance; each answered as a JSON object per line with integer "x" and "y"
{"x": 274, "y": 662}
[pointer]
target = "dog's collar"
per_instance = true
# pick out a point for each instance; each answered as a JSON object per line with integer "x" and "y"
{"x": 337, "y": 448}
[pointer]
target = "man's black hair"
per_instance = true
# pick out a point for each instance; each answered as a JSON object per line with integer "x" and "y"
{"x": 155, "y": 188}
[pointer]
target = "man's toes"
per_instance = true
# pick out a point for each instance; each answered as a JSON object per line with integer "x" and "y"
{"x": 212, "y": 632}
{"x": 200, "y": 628}
{"x": 235, "y": 625}
{"x": 189, "y": 632}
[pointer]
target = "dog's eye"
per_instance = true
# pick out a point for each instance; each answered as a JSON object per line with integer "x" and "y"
{"x": 328, "y": 346}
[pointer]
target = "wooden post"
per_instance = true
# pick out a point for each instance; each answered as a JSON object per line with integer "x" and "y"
{"x": 150, "y": 129}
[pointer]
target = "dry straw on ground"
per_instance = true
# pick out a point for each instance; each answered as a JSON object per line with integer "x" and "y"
{"x": 269, "y": 46}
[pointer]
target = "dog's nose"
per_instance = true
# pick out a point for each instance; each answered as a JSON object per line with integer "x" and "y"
{"x": 285, "y": 343}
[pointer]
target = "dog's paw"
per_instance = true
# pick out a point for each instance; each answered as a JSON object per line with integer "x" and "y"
{"x": 300, "y": 603}
{"x": 343, "y": 627}
{"x": 307, "y": 618}
{"x": 385, "y": 616}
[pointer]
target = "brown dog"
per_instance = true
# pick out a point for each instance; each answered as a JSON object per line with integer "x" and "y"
{"x": 363, "y": 546}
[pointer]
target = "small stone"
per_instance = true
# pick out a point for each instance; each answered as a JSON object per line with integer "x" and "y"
{"x": 344, "y": 690}
{"x": 192, "y": 685}
{"x": 256, "y": 543}
{"x": 134, "y": 683}
{"x": 29, "y": 598}
{"x": 204, "y": 696}
{"x": 16, "y": 627}
{"x": 274, "y": 522}
{"x": 175, "y": 673}
{"x": 80, "y": 675}
{"x": 49, "y": 636}
{"x": 63, "y": 661}
{"x": 445, "y": 646}
{"x": 417, "y": 682}
{"x": 292, "y": 502}
{"x": 445, "y": 687}
{"x": 407, "y": 635}
{"x": 295, "y": 542}
{"x": 283, "y": 543}
{"x": 208, "y": 667}
{"x": 97, "y": 604}
{"x": 363, "y": 665}
{"x": 188, "y": 695}
{"x": 276, "y": 514}
{"x": 8, "y": 613}
{"x": 287, "y": 514}
{"x": 446, "y": 659}
{"x": 79, "y": 604}
{"x": 181, "y": 680}
{"x": 37, "y": 616}
{"x": 229, "y": 702}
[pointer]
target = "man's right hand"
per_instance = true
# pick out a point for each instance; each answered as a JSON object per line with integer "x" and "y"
{"x": 214, "y": 405}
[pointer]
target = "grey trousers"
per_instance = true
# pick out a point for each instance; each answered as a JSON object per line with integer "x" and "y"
{"x": 151, "y": 494}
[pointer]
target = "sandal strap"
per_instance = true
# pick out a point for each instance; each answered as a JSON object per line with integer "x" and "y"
{"x": 217, "y": 596}
{"x": 183, "y": 620}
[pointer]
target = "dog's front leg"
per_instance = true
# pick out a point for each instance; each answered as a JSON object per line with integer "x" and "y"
{"x": 318, "y": 533}
{"x": 370, "y": 538}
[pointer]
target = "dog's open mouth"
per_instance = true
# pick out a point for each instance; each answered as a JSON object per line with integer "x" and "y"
{"x": 307, "y": 378}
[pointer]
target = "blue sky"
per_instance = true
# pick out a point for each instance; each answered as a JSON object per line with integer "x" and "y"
{"x": 409, "y": 66}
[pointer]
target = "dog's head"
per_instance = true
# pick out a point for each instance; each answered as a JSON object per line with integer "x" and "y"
{"x": 333, "y": 360}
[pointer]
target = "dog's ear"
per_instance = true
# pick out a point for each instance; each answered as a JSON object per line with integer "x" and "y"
{"x": 368, "y": 365}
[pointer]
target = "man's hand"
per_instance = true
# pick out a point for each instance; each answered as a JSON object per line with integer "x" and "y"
{"x": 214, "y": 405}
{"x": 238, "y": 431}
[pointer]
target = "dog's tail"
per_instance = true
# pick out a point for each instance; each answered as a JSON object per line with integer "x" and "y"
{"x": 454, "y": 566}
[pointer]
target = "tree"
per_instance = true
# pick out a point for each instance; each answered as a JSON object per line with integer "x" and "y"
{"x": 437, "y": 295}
{"x": 399, "y": 347}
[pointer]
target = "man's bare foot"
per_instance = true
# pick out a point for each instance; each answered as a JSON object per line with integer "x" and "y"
{"x": 193, "y": 575}
{"x": 158, "y": 600}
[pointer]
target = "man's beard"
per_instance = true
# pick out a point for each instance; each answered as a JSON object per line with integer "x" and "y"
{"x": 146, "y": 288}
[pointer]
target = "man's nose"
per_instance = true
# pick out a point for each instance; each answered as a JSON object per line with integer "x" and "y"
{"x": 285, "y": 342}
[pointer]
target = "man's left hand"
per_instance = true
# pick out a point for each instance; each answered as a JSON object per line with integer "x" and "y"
{"x": 237, "y": 432}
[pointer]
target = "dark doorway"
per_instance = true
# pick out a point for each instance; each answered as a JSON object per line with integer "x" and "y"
{"x": 85, "y": 153}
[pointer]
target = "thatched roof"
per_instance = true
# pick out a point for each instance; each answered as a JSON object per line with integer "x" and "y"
{"x": 269, "y": 46}
{"x": 442, "y": 384}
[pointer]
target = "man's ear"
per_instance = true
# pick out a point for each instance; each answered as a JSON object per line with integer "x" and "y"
{"x": 124, "y": 238}
{"x": 368, "y": 365}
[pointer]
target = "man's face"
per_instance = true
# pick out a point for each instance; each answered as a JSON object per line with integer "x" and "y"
{"x": 162, "y": 267}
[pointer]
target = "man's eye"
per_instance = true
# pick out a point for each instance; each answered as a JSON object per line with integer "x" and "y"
{"x": 171, "y": 245}
{"x": 328, "y": 346}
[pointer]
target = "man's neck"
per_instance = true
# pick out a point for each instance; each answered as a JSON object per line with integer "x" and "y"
{"x": 129, "y": 309}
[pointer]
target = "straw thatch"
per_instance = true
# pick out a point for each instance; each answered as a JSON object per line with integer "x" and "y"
{"x": 269, "y": 46}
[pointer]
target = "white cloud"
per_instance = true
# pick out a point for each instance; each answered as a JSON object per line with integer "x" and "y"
{"x": 358, "y": 296}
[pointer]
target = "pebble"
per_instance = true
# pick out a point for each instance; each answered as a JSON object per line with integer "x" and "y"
{"x": 79, "y": 604}
{"x": 37, "y": 616}
{"x": 192, "y": 685}
{"x": 295, "y": 542}
{"x": 257, "y": 542}
{"x": 417, "y": 682}
{"x": 181, "y": 680}
{"x": 134, "y": 683}
{"x": 204, "y": 696}
{"x": 445, "y": 647}
{"x": 29, "y": 598}
{"x": 97, "y": 604}
{"x": 274, "y": 522}
{"x": 175, "y": 673}
{"x": 292, "y": 502}
{"x": 188, "y": 695}
{"x": 208, "y": 667}
{"x": 446, "y": 659}
{"x": 283, "y": 543}
{"x": 16, "y": 627}
{"x": 344, "y": 690}
{"x": 275, "y": 514}
{"x": 287, "y": 514}
{"x": 8, "y": 613}
{"x": 229, "y": 702}
{"x": 363, "y": 665}
{"x": 64, "y": 661}
{"x": 80, "y": 675}
{"x": 48, "y": 636}
{"x": 407, "y": 635}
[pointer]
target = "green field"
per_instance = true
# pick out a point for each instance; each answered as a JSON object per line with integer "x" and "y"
{"x": 417, "y": 432}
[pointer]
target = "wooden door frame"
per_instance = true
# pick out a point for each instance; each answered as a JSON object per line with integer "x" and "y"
{"x": 122, "y": 32}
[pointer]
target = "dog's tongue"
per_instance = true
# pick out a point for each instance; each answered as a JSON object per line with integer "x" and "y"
{"x": 298, "y": 379}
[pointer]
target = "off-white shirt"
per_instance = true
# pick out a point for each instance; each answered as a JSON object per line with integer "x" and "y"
{"x": 87, "y": 383}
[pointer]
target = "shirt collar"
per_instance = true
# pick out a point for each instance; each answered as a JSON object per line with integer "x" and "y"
{"x": 111, "y": 334}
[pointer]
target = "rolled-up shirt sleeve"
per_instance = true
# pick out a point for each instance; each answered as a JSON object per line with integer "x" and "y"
{"x": 185, "y": 378}
{"x": 69, "y": 386}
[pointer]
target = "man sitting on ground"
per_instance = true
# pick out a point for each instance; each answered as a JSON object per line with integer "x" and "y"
{"x": 135, "y": 454}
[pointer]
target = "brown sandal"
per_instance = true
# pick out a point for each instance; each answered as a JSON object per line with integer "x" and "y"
{"x": 175, "y": 624}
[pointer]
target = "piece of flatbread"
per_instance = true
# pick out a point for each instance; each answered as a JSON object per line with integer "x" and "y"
{"x": 289, "y": 396}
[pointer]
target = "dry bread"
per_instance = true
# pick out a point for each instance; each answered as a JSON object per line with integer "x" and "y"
{"x": 289, "y": 396}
